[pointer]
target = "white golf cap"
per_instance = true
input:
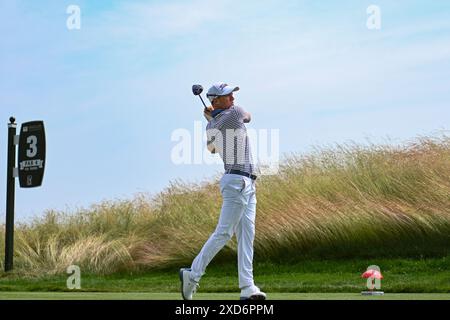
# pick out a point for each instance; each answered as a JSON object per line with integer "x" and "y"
{"x": 220, "y": 89}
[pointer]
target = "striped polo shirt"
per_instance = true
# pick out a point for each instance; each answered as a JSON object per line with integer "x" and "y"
{"x": 228, "y": 134}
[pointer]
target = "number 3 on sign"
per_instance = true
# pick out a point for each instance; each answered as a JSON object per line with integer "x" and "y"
{"x": 32, "y": 140}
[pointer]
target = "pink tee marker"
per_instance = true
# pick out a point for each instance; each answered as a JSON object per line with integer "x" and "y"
{"x": 373, "y": 277}
{"x": 371, "y": 273}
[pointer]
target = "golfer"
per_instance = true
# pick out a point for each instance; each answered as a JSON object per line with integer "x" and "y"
{"x": 227, "y": 135}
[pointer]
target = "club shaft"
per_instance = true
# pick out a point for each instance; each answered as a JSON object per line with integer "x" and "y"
{"x": 202, "y": 100}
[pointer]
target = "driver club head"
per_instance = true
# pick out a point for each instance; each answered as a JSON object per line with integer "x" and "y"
{"x": 197, "y": 89}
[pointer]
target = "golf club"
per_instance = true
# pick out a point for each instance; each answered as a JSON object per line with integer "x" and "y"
{"x": 197, "y": 89}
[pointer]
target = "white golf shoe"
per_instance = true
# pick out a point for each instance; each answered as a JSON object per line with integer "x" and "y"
{"x": 252, "y": 293}
{"x": 188, "y": 286}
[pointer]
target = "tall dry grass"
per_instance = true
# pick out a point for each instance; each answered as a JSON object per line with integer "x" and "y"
{"x": 344, "y": 201}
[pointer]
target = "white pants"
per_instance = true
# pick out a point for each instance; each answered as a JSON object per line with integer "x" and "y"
{"x": 237, "y": 216}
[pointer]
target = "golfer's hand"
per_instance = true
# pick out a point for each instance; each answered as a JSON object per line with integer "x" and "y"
{"x": 207, "y": 112}
{"x": 211, "y": 148}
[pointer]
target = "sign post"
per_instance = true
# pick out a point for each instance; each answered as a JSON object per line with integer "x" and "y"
{"x": 10, "y": 193}
{"x": 31, "y": 143}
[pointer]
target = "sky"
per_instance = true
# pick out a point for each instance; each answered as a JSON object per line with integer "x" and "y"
{"x": 115, "y": 92}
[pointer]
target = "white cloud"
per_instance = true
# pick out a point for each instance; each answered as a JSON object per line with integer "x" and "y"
{"x": 147, "y": 21}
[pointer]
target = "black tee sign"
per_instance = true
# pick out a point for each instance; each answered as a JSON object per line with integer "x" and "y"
{"x": 31, "y": 154}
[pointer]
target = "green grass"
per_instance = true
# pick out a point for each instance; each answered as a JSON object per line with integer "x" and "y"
{"x": 213, "y": 296}
{"x": 322, "y": 276}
